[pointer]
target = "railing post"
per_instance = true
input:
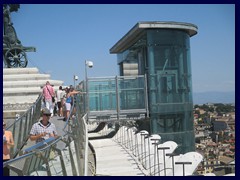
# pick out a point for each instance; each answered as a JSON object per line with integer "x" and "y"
{"x": 183, "y": 163}
{"x": 117, "y": 98}
{"x": 149, "y": 155}
{"x": 172, "y": 156}
{"x": 154, "y": 161}
{"x": 46, "y": 161}
{"x": 164, "y": 161}
{"x": 74, "y": 170}
{"x": 146, "y": 94}
{"x": 20, "y": 133}
{"x": 64, "y": 172}
{"x": 87, "y": 98}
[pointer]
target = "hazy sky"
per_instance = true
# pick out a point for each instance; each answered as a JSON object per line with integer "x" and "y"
{"x": 67, "y": 35}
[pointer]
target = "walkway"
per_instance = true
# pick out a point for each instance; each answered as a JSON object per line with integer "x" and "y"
{"x": 113, "y": 160}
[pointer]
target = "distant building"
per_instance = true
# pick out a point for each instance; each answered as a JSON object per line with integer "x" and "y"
{"x": 220, "y": 125}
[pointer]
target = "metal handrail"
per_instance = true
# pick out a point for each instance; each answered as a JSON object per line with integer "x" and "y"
{"x": 21, "y": 126}
{"x": 32, "y": 153}
{"x": 75, "y": 134}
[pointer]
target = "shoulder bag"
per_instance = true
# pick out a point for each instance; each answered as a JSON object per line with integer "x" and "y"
{"x": 53, "y": 99}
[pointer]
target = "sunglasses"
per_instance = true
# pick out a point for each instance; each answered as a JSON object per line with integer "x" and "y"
{"x": 47, "y": 115}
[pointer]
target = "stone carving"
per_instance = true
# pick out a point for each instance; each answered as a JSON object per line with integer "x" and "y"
{"x": 14, "y": 53}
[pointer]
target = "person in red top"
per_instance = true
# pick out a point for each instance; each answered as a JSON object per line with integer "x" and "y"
{"x": 48, "y": 93}
{"x": 8, "y": 143}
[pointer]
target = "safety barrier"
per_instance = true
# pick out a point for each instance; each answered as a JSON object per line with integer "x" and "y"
{"x": 157, "y": 158}
{"x": 116, "y": 98}
{"x": 22, "y": 125}
{"x": 47, "y": 158}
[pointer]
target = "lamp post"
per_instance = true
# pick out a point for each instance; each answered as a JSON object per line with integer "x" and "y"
{"x": 75, "y": 78}
{"x": 90, "y": 65}
{"x": 87, "y": 64}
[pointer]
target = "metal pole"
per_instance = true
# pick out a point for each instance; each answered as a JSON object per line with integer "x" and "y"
{"x": 146, "y": 94}
{"x": 117, "y": 99}
{"x": 74, "y": 81}
{"x": 86, "y": 89}
{"x": 164, "y": 161}
{"x": 171, "y": 155}
{"x": 149, "y": 155}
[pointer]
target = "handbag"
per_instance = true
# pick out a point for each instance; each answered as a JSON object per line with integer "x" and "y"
{"x": 53, "y": 98}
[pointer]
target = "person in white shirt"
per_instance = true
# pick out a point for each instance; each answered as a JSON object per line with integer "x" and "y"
{"x": 43, "y": 129}
{"x": 60, "y": 94}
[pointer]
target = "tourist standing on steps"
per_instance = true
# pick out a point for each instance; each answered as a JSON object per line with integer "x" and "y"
{"x": 8, "y": 143}
{"x": 48, "y": 93}
{"x": 43, "y": 129}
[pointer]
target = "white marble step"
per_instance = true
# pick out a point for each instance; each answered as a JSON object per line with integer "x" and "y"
{"x": 30, "y": 83}
{"x": 21, "y": 86}
{"x": 7, "y": 71}
{"x": 14, "y": 91}
{"x": 25, "y": 77}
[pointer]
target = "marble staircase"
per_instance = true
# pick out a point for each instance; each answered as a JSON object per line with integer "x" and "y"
{"x": 21, "y": 88}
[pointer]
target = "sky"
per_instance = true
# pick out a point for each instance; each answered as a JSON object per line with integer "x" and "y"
{"x": 67, "y": 35}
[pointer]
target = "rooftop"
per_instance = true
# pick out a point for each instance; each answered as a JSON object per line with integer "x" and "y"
{"x": 132, "y": 36}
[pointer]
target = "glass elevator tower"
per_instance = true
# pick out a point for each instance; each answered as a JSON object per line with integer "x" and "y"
{"x": 161, "y": 50}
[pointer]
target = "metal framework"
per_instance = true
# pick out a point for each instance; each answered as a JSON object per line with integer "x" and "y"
{"x": 117, "y": 98}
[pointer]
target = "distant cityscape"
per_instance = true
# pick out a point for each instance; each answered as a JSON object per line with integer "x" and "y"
{"x": 215, "y": 137}
{"x": 213, "y": 97}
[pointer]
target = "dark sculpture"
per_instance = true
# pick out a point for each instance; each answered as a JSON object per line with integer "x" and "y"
{"x": 14, "y": 54}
